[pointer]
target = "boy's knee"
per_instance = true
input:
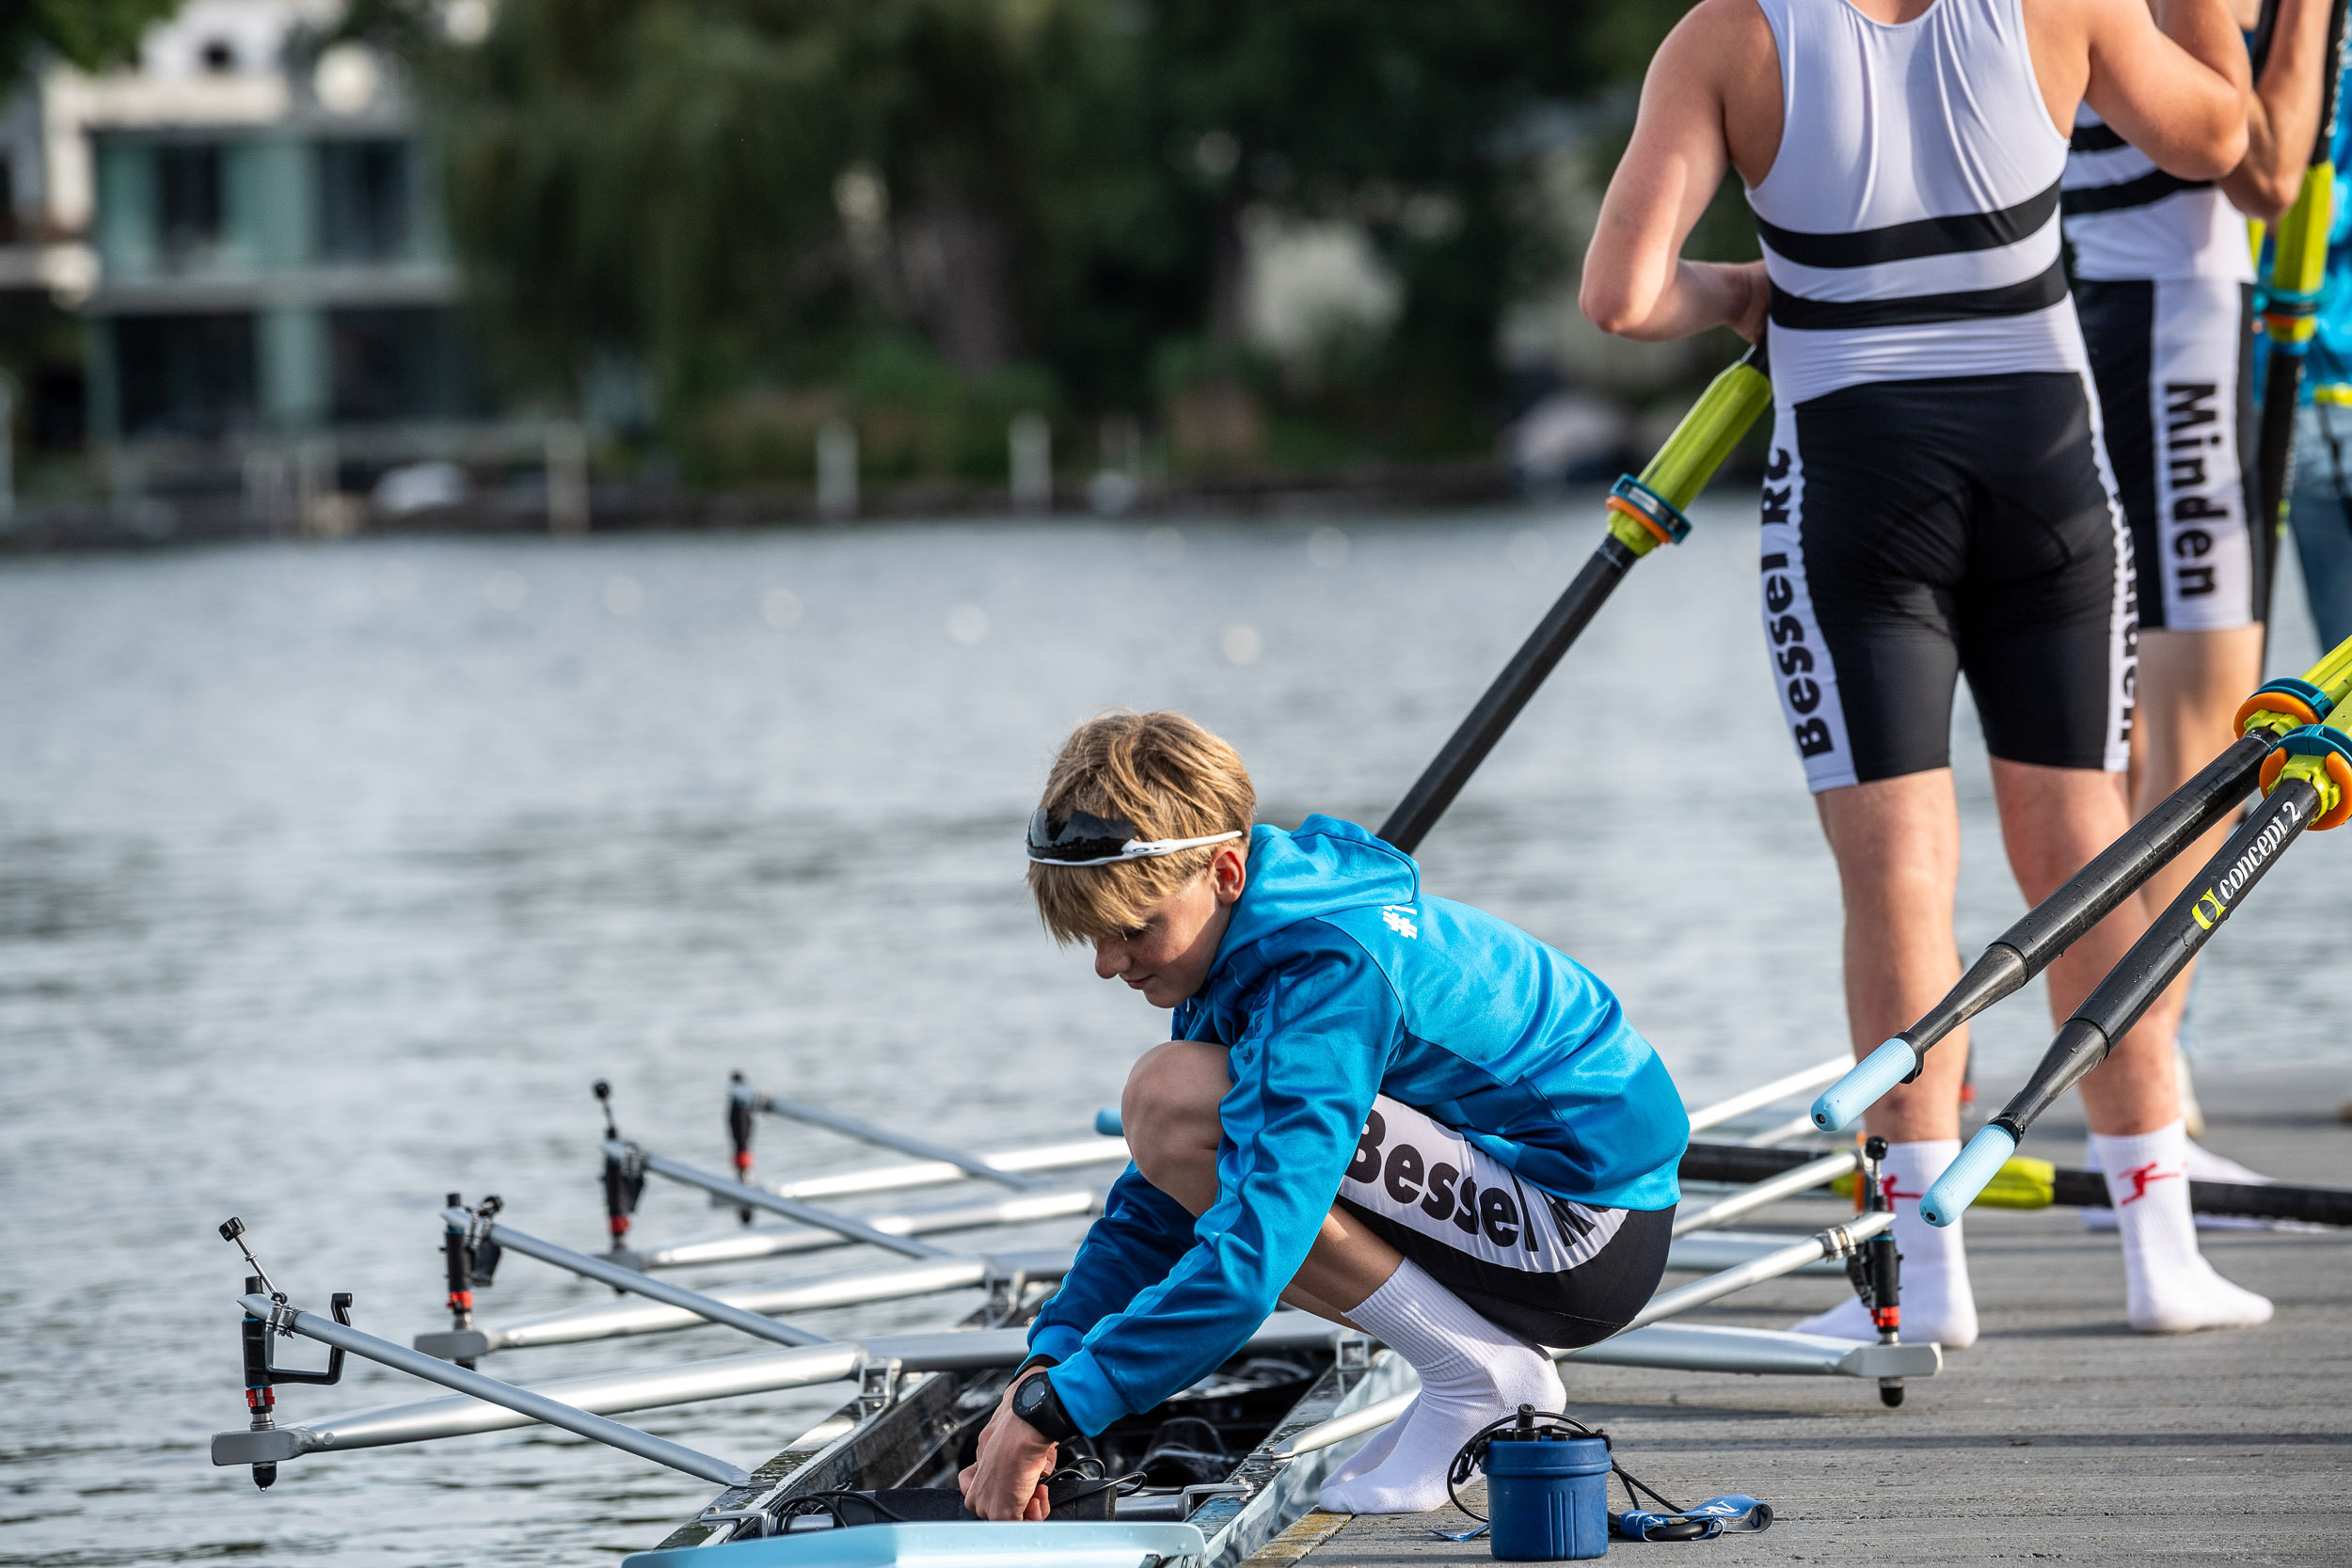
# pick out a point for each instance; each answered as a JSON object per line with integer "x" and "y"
{"x": 1169, "y": 1104}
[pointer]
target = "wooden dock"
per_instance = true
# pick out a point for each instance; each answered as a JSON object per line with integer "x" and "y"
{"x": 2061, "y": 1436}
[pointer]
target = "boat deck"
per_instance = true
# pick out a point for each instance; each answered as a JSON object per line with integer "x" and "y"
{"x": 2062, "y": 1435}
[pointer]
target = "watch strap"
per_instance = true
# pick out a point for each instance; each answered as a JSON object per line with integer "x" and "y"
{"x": 1044, "y": 1411}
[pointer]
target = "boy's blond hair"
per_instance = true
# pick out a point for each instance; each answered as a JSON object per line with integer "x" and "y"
{"x": 1171, "y": 779}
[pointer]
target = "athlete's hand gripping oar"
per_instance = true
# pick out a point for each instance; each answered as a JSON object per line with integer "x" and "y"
{"x": 1644, "y": 513}
{"x": 2309, "y": 780}
{"x": 2290, "y": 316}
{"x": 2116, "y": 872}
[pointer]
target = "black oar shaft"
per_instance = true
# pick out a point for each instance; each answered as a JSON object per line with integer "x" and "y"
{"x": 2159, "y": 956}
{"x": 2069, "y": 1188}
{"x": 2120, "y": 870}
{"x": 1444, "y": 779}
{"x": 2047, "y": 929}
{"x": 2093, "y": 894}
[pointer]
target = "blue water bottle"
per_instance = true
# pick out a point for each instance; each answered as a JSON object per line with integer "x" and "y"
{"x": 1546, "y": 1493}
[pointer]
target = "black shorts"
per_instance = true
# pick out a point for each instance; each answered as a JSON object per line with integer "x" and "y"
{"x": 1553, "y": 1272}
{"x": 2174, "y": 362}
{"x": 1914, "y": 531}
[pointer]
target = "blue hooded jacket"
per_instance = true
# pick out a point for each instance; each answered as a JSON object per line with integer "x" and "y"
{"x": 1337, "y": 981}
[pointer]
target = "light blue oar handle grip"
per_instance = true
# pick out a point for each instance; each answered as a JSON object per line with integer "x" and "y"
{"x": 1869, "y": 1078}
{"x": 1106, "y": 1122}
{"x": 1950, "y": 1195}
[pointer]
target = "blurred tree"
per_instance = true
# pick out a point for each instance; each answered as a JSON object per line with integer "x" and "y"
{"x": 733, "y": 193}
{"x": 92, "y": 33}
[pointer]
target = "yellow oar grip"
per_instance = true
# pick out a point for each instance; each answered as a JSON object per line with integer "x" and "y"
{"x": 2022, "y": 1183}
{"x": 1708, "y": 433}
{"x": 2299, "y": 259}
{"x": 1689, "y": 459}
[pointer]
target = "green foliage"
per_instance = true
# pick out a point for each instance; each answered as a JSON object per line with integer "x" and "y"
{"x": 916, "y": 418}
{"x": 92, "y": 33}
{"x": 747, "y": 197}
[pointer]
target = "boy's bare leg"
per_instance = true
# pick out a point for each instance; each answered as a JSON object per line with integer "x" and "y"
{"x": 1170, "y": 1109}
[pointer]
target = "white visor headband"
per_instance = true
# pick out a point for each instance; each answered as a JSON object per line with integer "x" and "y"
{"x": 1085, "y": 839}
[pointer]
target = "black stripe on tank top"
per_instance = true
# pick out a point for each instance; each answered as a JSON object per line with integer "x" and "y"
{"x": 1908, "y": 242}
{"x": 1797, "y": 313}
{"x": 2094, "y": 139}
{"x": 2150, "y": 187}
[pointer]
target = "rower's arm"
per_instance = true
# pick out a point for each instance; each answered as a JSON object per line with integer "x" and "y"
{"x": 1636, "y": 283}
{"x": 1142, "y": 1233}
{"x": 2282, "y": 113}
{"x": 2175, "y": 87}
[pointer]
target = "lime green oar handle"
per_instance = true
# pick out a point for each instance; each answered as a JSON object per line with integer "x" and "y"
{"x": 1706, "y": 436}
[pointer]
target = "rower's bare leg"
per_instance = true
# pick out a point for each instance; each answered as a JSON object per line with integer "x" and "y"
{"x": 2190, "y": 685}
{"x": 1897, "y": 844}
{"x": 1471, "y": 1371}
{"x": 2054, "y": 820}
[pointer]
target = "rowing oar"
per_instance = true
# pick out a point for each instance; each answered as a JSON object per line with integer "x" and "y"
{"x": 2307, "y": 783}
{"x": 2299, "y": 264}
{"x": 2273, "y": 712}
{"x": 1644, "y": 513}
{"x": 2026, "y": 1183}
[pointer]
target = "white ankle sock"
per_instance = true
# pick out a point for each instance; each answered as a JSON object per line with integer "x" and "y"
{"x": 1374, "y": 1453}
{"x": 2171, "y": 1288}
{"x": 1938, "y": 1305}
{"x": 2203, "y": 1166}
{"x": 1471, "y": 1372}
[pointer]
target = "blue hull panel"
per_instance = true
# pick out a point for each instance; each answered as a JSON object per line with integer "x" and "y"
{"x": 961, "y": 1544}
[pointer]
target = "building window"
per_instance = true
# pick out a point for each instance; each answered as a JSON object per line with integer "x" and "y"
{"x": 400, "y": 363}
{"x": 189, "y": 375}
{"x": 363, "y": 200}
{"x": 220, "y": 56}
{"x": 188, "y": 189}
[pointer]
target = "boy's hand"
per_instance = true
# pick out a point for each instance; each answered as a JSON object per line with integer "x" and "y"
{"x": 1007, "y": 1479}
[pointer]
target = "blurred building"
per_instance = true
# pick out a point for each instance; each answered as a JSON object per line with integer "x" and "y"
{"x": 247, "y": 224}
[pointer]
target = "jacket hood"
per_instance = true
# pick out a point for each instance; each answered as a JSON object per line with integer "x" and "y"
{"x": 1326, "y": 865}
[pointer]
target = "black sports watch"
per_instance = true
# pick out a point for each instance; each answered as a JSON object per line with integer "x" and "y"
{"x": 1035, "y": 1402}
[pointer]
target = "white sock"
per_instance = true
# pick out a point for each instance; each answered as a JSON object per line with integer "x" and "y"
{"x": 1472, "y": 1373}
{"x": 1938, "y": 1305}
{"x": 2171, "y": 1288}
{"x": 2203, "y": 1166}
{"x": 1370, "y": 1456}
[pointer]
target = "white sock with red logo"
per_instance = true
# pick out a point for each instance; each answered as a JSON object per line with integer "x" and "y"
{"x": 1472, "y": 1373}
{"x": 2170, "y": 1288}
{"x": 2203, "y": 1166}
{"x": 1938, "y": 1305}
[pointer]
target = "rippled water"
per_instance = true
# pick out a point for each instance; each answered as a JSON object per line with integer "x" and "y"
{"x": 329, "y": 877}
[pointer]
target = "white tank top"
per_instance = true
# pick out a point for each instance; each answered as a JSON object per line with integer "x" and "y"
{"x": 2127, "y": 218}
{"x": 1910, "y": 221}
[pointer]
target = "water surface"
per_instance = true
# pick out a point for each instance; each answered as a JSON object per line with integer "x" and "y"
{"x": 331, "y": 876}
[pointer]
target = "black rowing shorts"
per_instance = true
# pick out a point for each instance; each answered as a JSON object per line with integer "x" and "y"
{"x": 1918, "y": 530}
{"x": 1553, "y": 1272}
{"x": 2174, "y": 360}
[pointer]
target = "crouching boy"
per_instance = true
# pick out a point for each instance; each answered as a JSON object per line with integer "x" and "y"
{"x": 1390, "y": 1110}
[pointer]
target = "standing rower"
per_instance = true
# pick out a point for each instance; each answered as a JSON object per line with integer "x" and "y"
{"x": 1937, "y": 502}
{"x": 2164, "y": 282}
